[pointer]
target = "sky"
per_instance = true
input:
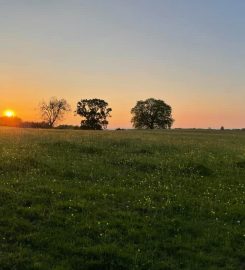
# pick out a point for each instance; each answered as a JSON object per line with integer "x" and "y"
{"x": 189, "y": 53}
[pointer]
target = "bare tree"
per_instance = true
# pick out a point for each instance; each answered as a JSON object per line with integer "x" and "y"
{"x": 54, "y": 110}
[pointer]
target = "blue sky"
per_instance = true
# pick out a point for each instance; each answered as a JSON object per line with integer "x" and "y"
{"x": 189, "y": 53}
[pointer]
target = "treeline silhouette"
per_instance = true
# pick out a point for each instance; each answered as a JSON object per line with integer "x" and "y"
{"x": 17, "y": 122}
{"x": 146, "y": 114}
{"x": 10, "y": 121}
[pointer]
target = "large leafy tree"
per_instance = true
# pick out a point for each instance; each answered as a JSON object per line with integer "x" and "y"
{"x": 53, "y": 110}
{"x": 94, "y": 112}
{"x": 152, "y": 114}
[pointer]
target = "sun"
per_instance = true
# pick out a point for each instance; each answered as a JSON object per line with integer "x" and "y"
{"x": 9, "y": 113}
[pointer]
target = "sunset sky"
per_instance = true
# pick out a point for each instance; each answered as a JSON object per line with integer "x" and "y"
{"x": 190, "y": 53}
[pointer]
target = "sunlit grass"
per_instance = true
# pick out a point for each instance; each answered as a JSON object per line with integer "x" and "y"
{"x": 121, "y": 199}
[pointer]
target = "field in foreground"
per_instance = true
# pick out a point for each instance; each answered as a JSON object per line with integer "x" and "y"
{"x": 122, "y": 200}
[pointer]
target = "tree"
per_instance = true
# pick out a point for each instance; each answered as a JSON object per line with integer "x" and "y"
{"x": 94, "y": 112}
{"x": 54, "y": 110}
{"x": 10, "y": 121}
{"x": 152, "y": 113}
{"x": 34, "y": 124}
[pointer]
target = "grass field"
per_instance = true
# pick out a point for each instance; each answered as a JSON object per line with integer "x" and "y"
{"x": 122, "y": 199}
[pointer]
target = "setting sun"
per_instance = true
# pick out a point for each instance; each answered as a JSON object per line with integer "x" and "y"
{"x": 9, "y": 113}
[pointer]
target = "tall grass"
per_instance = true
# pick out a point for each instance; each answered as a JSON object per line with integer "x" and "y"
{"x": 122, "y": 199}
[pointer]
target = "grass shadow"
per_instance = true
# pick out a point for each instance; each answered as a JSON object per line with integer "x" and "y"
{"x": 196, "y": 169}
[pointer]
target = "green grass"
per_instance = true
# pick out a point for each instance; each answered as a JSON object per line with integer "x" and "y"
{"x": 122, "y": 199}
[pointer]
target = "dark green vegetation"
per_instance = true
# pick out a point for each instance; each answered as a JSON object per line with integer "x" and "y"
{"x": 94, "y": 113}
{"x": 152, "y": 114}
{"x": 122, "y": 199}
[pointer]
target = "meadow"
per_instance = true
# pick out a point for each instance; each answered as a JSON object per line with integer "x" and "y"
{"x": 122, "y": 199}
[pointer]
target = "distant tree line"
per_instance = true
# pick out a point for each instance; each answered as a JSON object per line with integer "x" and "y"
{"x": 17, "y": 122}
{"x": 148, "y": 114}
{"x": 10, "y": 121}
{"x": 34, "y": 124}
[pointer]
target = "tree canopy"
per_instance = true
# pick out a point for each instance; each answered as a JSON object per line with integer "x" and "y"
{"x": 53, "y": 110}
{"x": 152, "y": 114}
{"x": 94, "y": 112}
